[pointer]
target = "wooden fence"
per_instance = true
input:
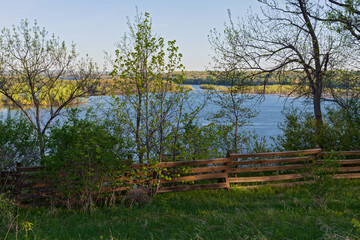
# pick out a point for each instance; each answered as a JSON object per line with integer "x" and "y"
{"x": 233, "y": 171}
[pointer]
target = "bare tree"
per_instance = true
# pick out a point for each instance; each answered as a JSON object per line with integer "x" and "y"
{"x": 38, "y": 71}
{"x": 344, "y": 17}
{"x": 287, "y": 38}
{"x": 234, "y": 104}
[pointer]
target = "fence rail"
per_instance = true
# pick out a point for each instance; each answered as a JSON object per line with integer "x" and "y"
{"x": 235, "y": 171}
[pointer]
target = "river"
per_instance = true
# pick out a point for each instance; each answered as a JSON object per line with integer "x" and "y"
{"x": 265, "y": 124}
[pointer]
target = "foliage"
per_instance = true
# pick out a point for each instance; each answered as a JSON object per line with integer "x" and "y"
{"x": 356, "y": 224}
{"x": 194, "y": 142}
{"x": 322, "y": 175}
{"x": 61, "y": 91}
{"x": 147, "y": 64}
{"x": 212, "y": 87}
{"x": 7, "y": 205}
{"x": 33, "y": 66}
{"x": 27, "y": 227}
{"x": 18, "y": 143}
{"x": 86, "y": 155}
{"x": 346, "y": 15}
{"x": 7, "y": 212}
{"x": 339, "y": 132}
{"x": 158, "y": 121}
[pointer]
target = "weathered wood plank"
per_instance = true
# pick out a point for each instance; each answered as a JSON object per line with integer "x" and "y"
{"x": 30, "y": 169}
{"x": 271, "y": 161}
{"x": 195, "y": 178}
{"x": 347, "y": 175}
{"x": 180, "y": 163}
{"x": 272, "y": 168}
{"x": 207, "y": 169}
{"x": 343, "y": 153}
{"x": 344, "y": 162}
{"x": 188, "y": 170}
{"x": 266, "y": 178}
{"x": 277, "y": 154}
{"x": 192, "y": 163}
{"x": 112, "y": 189}
{"x": 192, "y": 187}
{"x": 287, "y": 184}
{"x": 6, "y": 174}
{"x": 35, "y": 185}
{"x": 349, "y": 169}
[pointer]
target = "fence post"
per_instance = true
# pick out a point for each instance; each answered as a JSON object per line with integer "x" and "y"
{"x": 227, "y": 171}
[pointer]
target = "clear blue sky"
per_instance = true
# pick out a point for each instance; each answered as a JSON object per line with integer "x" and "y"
{"x": 95, "y": 25}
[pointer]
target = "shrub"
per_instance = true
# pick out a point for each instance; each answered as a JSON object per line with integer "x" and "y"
{"x": 18, "y": 146}
{"x": 340, "y": 131}
{"x": 86, "y": 156}
{"x": 322, "y": 176}
{"x": 18, "y": 143}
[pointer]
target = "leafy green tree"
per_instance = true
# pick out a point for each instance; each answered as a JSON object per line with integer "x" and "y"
{"x": 33, "y": 69}
{"x": 145, "y": 67}
{"x": 153, "y": 106}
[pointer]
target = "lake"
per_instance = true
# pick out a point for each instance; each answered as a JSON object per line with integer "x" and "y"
{"x": 265, "y": 123}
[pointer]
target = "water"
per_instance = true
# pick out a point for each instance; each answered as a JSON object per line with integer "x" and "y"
{"x": 269, "y": 108}
{"x": 265, "y": 123}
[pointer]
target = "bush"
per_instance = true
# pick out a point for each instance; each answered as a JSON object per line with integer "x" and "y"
{"x": 86, "y": 156}
{"x": 18, "y": 143}
{"x": 340, "y": 131}
{"x": 322, "y": 176}
{"x": 18, "y": 146}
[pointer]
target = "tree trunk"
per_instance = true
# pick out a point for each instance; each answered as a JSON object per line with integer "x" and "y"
{"x": 137, "y": 130}
{"x": 42, "y": 148}
{"x": 318, "y": 117}
{"x": 317, "y": 107}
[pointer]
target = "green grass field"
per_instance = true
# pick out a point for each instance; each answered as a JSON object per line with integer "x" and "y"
{"x": 265, "y": 213}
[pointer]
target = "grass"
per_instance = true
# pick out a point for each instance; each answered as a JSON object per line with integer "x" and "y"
{"x": 265, "y": 213}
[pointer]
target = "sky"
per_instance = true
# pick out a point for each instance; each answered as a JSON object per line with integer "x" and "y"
{"x": 96, "y": 25}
